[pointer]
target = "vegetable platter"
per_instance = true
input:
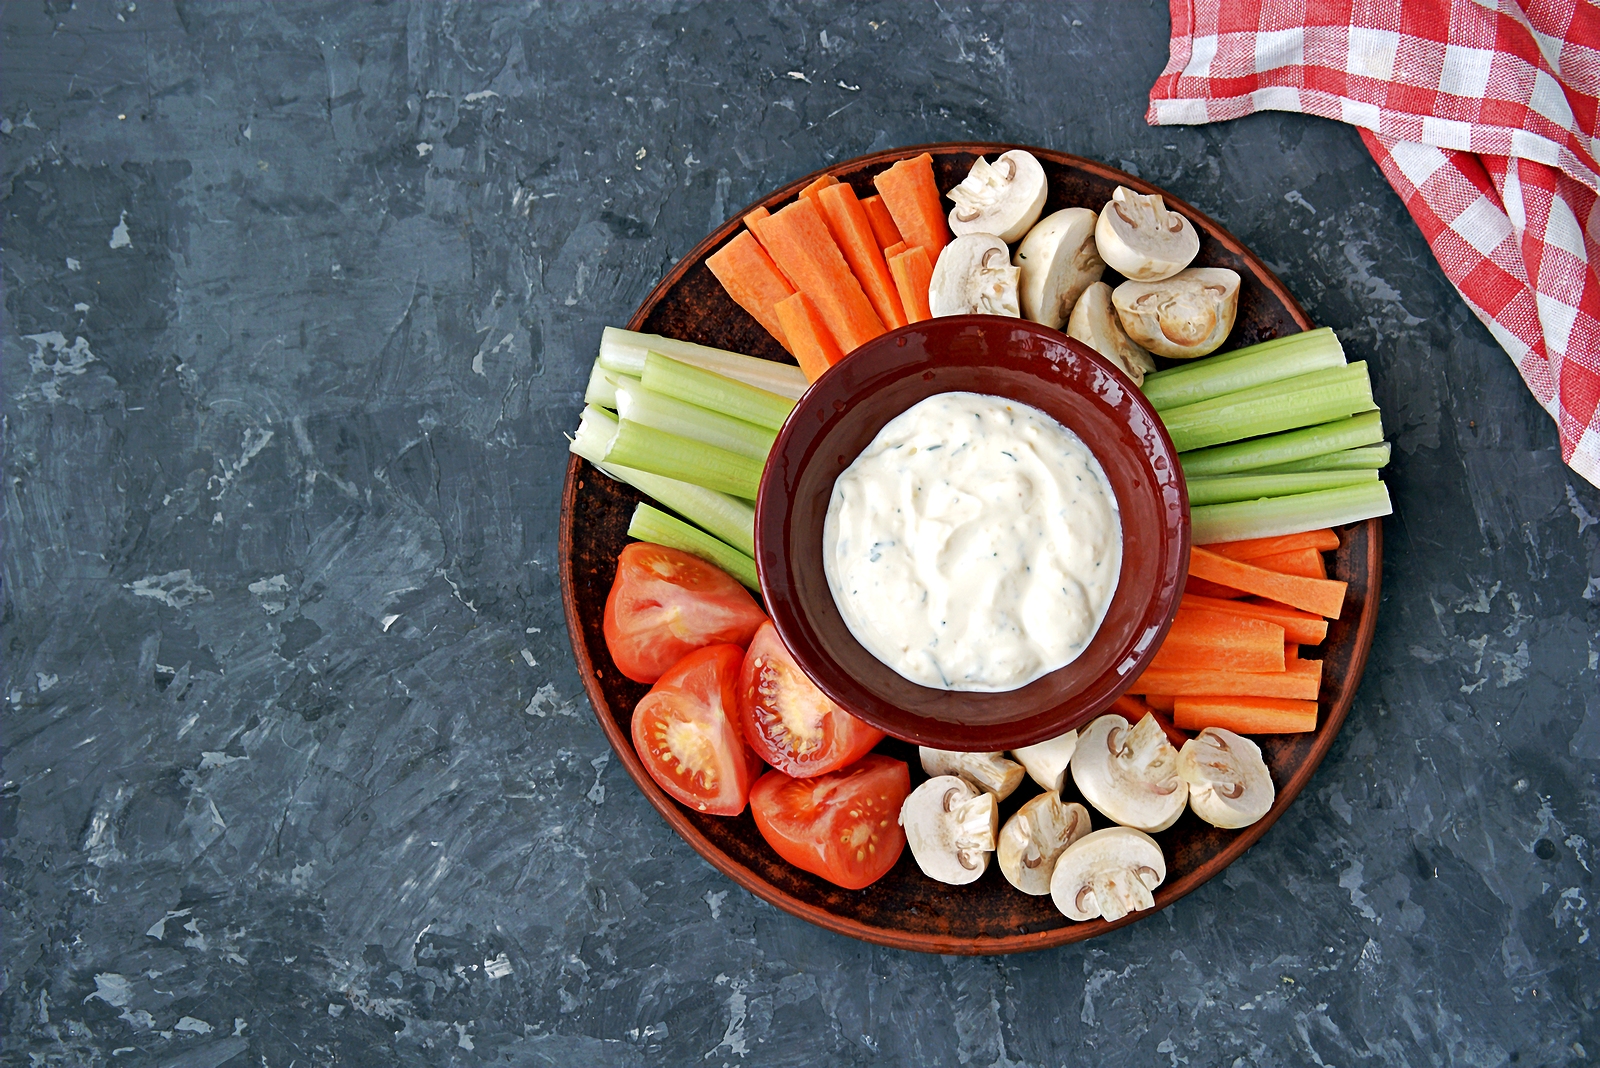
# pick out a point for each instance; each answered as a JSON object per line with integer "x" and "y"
{"x": 905, "y": 909}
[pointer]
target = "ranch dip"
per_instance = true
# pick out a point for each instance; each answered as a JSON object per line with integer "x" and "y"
{"x": 974, "y": 544}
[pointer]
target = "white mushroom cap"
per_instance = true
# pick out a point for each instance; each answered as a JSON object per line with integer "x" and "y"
{"x": 950, "y": 826}
{"x": 1058, "y": 259}
{"x": 1034, "y": 836}
{"x": 1229, "y": 784}
{"x": 974, "y": 276}
{"x": 1130, "y": 773}
{"x": 1094, "y": 322}
{"x": 1140, "y": 239}
{"x": 1109, "y": 874}
{"x": 1047, "y": 761}
{"x": 1184, "y": 316}
{"x": 992, "y": 771}
{"x": 1003, "y": 198}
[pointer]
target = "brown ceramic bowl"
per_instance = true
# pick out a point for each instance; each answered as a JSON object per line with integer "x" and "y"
{"x": 1023, "y": 361}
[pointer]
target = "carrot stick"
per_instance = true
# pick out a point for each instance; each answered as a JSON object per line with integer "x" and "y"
{"x": 909, "y": 192}
{"x": 818, "y": 186}
{"x": 883, "y": 227}
{"x": 852, "y": 232}
{"x": 1298, "y": 626}
{"x": 894, "y": 250}
{"x": 1323, "y": 541}
{"x": 1133, "y": 710}
{"x": 800, "y": 244}
{"x": 1302, "y": 680}
{"x": 1246, "y": 715}
{"x": 752, "y": 280}
{"x": 1322, "y": 596}
{"x": 752, "y": 221}
{"x": 1200, "y": 587}
{"x": 1161, "y": 702}
{"x": 814, "y": 348}
{"x": 1304, "y": 562}
{"x": 1218, "y": 641}
{"x": 912, "y": 271}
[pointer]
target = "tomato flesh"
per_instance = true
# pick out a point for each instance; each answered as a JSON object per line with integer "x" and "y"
{"x": 665, "y": 604}
{"x": 790, "y": 723}
{"x": 686, "y": 737}
{"x": 843, "y": 826}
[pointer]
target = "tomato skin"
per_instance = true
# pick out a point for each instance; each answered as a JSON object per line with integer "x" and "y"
{"x": 686, "y": 737}
{"x": 665, "y": 604}
{"x": 790, "y": 723}
{"x": 809, "y": 822}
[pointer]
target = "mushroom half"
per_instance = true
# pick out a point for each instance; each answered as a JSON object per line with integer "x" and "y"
{"x": 1094, "y": 322}
{"x": 950, "y": 826}
{"x": 1058, "y": 260}
{"x": 1184, "y": 316}
{"x": 1002, "y": 198}
{"x": 1140, "y": 239}
{"x": 974, "y": 276}
{"x": 1034, "y": 837}
{"x": 1229, "y": 784}
{"x": 1130, "y": 773}
{"x": 1109, "y": 874}
{"x": 1047, "y": 761}
{"x": 992, "y": 771}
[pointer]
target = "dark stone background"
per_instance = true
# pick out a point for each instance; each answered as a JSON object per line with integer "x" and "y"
{"x": 298, "y": 769}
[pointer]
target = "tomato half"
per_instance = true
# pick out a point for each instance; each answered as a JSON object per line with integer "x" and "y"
{"x": 665, "y": 604}
{"x": 685, "y": 734}
{"x": 790, "y": 723}
{"x": 843, "y": 826}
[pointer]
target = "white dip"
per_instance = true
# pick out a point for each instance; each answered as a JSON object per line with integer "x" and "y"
{"x": 974, "y": 545}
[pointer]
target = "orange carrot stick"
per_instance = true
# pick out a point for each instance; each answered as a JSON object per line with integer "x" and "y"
{"x": 1298, "y": 626}
{"x": 1246, "y": 715}
{"x": 1324, "y": 540}
{"x": 852, "y": 232}
{"x": 883, "y": 227}
{"x": 894, "y": 250}
{"x": 800, "y": 244}
{"x": 814, "y": 348}
{"x": 752, "y": 280}
{"x": 1218, "y": 641}
{"x": 1302, "y": 680}
{"x": 752, "y": 221}
{"x": 1304, "y": 562}
{"x": 912, "y": 271}
{"x": 909, "y": 192}
{"x": 1200, "y": 587}
{"x": 819, "y": 185}
{"x": 1161, "y": 702}
{"x": 1322, "y": 596}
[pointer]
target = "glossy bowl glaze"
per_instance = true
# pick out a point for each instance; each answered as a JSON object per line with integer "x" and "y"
{"x": 840, "y": 415}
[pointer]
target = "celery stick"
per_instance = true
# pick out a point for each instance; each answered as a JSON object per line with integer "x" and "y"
{"x": 1363, "y": 429}
{"x": 1221, "y": 489}
{"x": 732, "y": 520}
{"x": 710, "y": 390}
{"x": 649, "y": 408}
{"x": 660, "y": 453}
{"x": 1270, "y": 361}
{"x": 1288, "y": 405}
{"x": 653, "y": 525}
{"x": 1212, "y": 523}
{"x": 624, "y": 351}
{"x": 602, "y": 388}
{"x": 1368, "y": 456}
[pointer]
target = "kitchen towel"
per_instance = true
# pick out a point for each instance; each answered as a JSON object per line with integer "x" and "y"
{"x": 1481, "y": 115}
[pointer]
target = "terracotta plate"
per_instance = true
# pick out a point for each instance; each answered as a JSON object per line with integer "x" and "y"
{"x": 904, "y": 909}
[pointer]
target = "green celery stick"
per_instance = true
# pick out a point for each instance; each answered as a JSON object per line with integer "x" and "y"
{"x": 1367, "y": 456}
{"x": 624, "y": 351}
{"x": 1270, "y": 361}
{"x": 649, "y": 408}
{"x": 653, "y": 525}
{"x": 708, "y": 389}
{"x": 1358, "y": 430}
{"x": 1220, "y": 489}
{"x": 658, "y": 452}
{"x": 1211, "y": 523}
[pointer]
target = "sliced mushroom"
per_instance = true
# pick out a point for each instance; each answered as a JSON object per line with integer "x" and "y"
{"x": 1034, "y": 836}
{"x": 1140, "y": 239}
{"x": 1003, "y": 198}
{"x": 1130, "y": 773}
{"x": 1094, "y": 322}
{"x": 974, "y": 276}
{"x": 1058, "y": 259}
{"x": 992, "y": 771}
{"x": 1229, "y": 784}
{"x": 1109, "y": 874}
{"x": 1184, "y": 316}
{"x": 950, "y": 826}
{"x": 1047, "y": 761}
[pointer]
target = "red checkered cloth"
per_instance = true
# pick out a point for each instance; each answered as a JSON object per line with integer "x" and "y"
{"x": 1481, "y": 115}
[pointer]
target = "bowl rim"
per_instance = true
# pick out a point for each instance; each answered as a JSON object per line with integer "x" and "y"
{"x": 1152, "y": 616}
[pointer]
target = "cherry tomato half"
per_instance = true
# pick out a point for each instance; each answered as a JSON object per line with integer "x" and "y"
{"x": 790, "y": 723}
{"x": 843, "y": 826}
{"x": 665, "y": 604}
{"x": 685, "y": 734}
